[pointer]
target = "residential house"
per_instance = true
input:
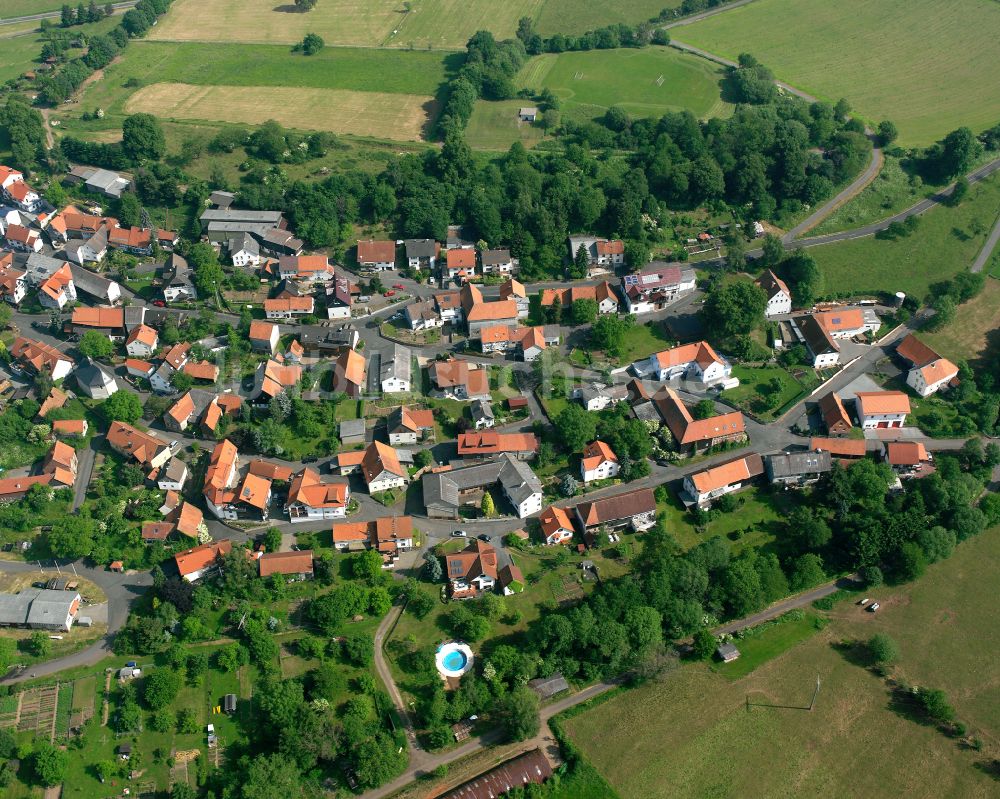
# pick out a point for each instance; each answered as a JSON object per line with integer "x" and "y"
{"x": 247, "y": 498}
{"x": 605, "y": 297}
{"x": 338, "y": 298}
{"x": 843, "y": 449}
{"x": 381, "y": 469}
{"x": 55, "y": 400}
{"x": 835, "y": 416}
{"x": 449, "y": 306}
{"x": 109, "y": 321}
{"x": 278, "y": 242}
{"x": 422, "y": 316}
{"x": 349, "y": 373}
{"x": 139, "y": 368}
{"x": 656, "y": 287}
{"x": 40, "y": 608}
{"x": 908, "y": 458}
{"x": 779, "y": 298}
{"x": 94, "y": 379}
{"x": 23, "y": 239}
{"x": 422, "y": 253}
{"x": 289, "y": 307}
{"x": 146, "y": 449}
{"x": 187, "y": 519}
{"x": 91, "y": 248}
{"x": 309, "y": 498}
{"x": 172, "y": 476}
{"x": 351, "y": 536}
{"x": 62, "y": 464}
{"x": 848, "y": 322}
{"x": 305, "y": 268}
{"x": 329, "y": 340}
{"x": 445, "y": 492}
{"x": 142, "y": 342}
{"x": 479, "y": 314}
{"x": 193, "y": 564}
{"x": 273, "y": 377}
{"x": 600, "y": 252}
{"x": 597, "y": 397}
{"x": 599, "y": 462}
{"x": 16, "y": 190}
{"x": 220, "y": 477}
{"x": 557, "y": 527}
{"x": 37, "y": 356}
{"x": 295, "y": 564}
{"x": 460, "y": 265}
{"x": 173, "y": 361}
{"x": 458, "y": 379}
{"x": 13, "y": 285}
{"x": 486, "y": 444}
{"x": 156, "y": 531}
{"x": 70, "y": 427}
{"x": 472, "y": 571}
{"x": 482, "y": 415}
{"x": 882, "y": 409}
{"x": 928, "y": 372}
{"x": 188, "y": 410}
{"x": 244, "y": 250}
{"x": 515, "y": 290}
{"x": 376, "y": 256}
{"x": 704, "y": 486}
{"x": 178, "y": 280}
{"x": 395, "y": 374}
{"x": 100, "y": 288}
{"x": 264, "y": 336}
{"x": 698, "y": 361}
{"x": 388, "y": 535}
{"x": 407, "y": 426}
{"x": 58, "y": 289}
{"x": 496, "y": 262}
{"x": 824, "y": 350}
{"x": 205, "y": 371}
{"x": 635, "y": 509}
{"x": 798, "y": 468}
{"x": 696, "y": 434}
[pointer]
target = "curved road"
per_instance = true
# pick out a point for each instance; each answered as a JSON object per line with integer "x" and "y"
{"x": 120, "y": 589}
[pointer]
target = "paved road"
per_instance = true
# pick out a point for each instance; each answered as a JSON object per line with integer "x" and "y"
{"x": 55, "y": 13}
{"x": 785, "y": 605}
{"x": 705, "y": 14}
{"x": 988, "y": 247}
{"x": 121, "y": 590}
{"x": 85, "y": 469}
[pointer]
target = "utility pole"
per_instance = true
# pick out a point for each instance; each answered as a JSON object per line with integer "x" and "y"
{"x": 75, "y": 572}
{"x": 815, "y": 693}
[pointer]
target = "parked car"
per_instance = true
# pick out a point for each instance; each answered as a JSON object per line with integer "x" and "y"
{"x": 399, "y": 286}
{"x": 389, "y": 293}
{"x": 484, "y": 537}
{"x": 864, "y": 601}
{"x": 459, "y": 534}
{"x": 159, "y": 303}
{"x": 873, "y": 607}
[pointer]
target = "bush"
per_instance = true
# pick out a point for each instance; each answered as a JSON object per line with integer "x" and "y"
{"x": 883, "y": 649}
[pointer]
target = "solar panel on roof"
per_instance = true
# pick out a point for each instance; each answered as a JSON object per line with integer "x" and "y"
{"x": 631, "y": 280}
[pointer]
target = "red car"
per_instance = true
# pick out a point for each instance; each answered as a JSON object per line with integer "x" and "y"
{"x": 389, "y": 294}
{"x": 159, "y": 303}
{"x": 399, "y": 286}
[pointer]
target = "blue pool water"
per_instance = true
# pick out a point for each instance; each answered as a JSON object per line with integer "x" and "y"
{"x": 454, "y": 661}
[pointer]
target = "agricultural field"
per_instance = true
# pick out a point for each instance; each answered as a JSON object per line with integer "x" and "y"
{"x": 23, "y": 8}
{"x": 700, "y": 738}
{"x": 974, "y": 330}
{"x": 928, "y": 66}
{"x": 574, "y": 17}
{"x": 646, "y": 82}
{"x": 392, "y": 116}
{"x": 945, "y": 243}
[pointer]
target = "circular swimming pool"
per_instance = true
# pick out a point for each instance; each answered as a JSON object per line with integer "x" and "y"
{"x": 453, "y": 659}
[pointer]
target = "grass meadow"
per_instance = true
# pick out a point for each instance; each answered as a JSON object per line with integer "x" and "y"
{"x": 968, "y": 336}
{"x": 928, "y": 65}
{"x": 690, "y": 733}
{"x": 588, "y": 83}
{"x": 946, "y": 242}
{"x": 575, "y": 17}
{"x": 21, "y": 44}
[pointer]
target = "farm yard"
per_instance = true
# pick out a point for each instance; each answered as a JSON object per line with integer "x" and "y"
{"x": 945, "y": 243}
{"x": 392, "y": 116}
{"x": 696, "y": 747}
{"x": 645, "y": 83}
{"x": 928, "y": 66}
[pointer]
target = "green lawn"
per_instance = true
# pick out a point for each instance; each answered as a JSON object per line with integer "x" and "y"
{"x": 929, "y": 66}
{"x": 642, "y": 340}
{"x": 759, "y": 645}
{"x": 19, "y": 54}
{"x": 700, "y": 739}
{"x": 755, "y": 523}
{"x": 588, "y": 83}
{"x": 946, "y": 242}
{"x": 967, "y": 337}
{"x": 756, "y": 394}
{"x": 494, "y": 126}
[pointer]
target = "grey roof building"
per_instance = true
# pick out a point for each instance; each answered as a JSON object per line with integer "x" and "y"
{"x": 96, "y": 286}
{"x": 241, "y": 216}
{"x": 396, "y": 372}
{"x": 443, "y": 490}
{"x": 103, "y": 181}
{"x": 482, "y": 413}
{"x": 95, "y": 380}
{"x": 334, "y": 338}
{"x": 222, "y": 199}
{"x": 352, "y": 431}
{"x": 421, "y": 248}
{"x": 549, "y": 686}
{"x": 42, "y": 609}
{"x": 797, "y": 467}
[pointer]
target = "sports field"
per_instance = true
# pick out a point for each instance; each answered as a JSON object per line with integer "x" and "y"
{"x": 690, "y": 734}
{"x": 945, "y": 243}
{"x": 928, "y": 65}
{"x": 402, "y": 117}
{"x": 647, "y": 82}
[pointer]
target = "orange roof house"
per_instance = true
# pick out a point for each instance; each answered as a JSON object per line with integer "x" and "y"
{"x": 696, "y": 433}
{"x": 145, "y": 448}
{"x": 70, "y": 427}
{"x": 349, "y": 373}
{"x": 843, "y": 448}
{"x": 103, "y": 318}
{"x": 557, "y": 527}
{"x": 880, "y": 409}
{"x": 377, "y": 253}
{"x": 906, "y": 453}
{"x": 56, "y": 399}
{"x": 295, "y": 563}
{"x": 834, "y": 414}
{"x": 144, "y": 335}
{"x": 187, "y": 518}
{"x": 221, "y": 471}
{"x": 489, "y": 442}
{"x": 309, "y": 497}
{"x": 705, "y": 483}
{"x": 202, "y": 370}
{"x": 596, "y": 453}
{"x": 194, "y": 563}
{"x": 381, "y": 468}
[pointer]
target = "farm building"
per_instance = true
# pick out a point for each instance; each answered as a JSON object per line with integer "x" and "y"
{"x": 40, "y": 609}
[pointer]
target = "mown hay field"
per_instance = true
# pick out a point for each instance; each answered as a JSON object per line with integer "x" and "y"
{"x": 928, "y": 65}
{"x": 376, "y": 114}
{"x": 690, "y": 733}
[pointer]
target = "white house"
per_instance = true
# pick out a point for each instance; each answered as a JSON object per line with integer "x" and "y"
{"x": 823, "y": 348}
{"x": 172, "y": 476}
{"x": 599, "y": 462}
{"x": 779, "y": 298}
{"x": 142, "y": 342}
{"x": 376, "y": 256}
{"x": 697, "y": 361}
{"x": 309, "y": 499}
{"x": 848, "y": 322}
{"x": 882, "y": 409}
{"x": 288, "y": 307}
{"x": 244, "y": 250}
{"x": 557, "y": 527}
{"x": 707, "y": 484}
{"x": 381, "y": 469}
{"x": 422, "y": 316}
{"x": 655, "y": 287}
{"x": 395, "y": 374}
{"x": 929, "y": 372}
{"x": 597, "y": 397}
{"x": 496, "y": 262}
{"x": 94, "y": 380}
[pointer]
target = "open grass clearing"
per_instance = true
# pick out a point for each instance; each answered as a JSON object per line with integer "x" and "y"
{"x": 769, "y": 641}
{"x": 766, "y": 390}
{"x": 646, "y": 82}
{"x": 451, "y": 23}
{"x": 390, "y": 116}
{"x": 929, "y": 66}
{"x": 700, "y": 740}
{"x": 755, "y": 523}
{"x": 945, "y": 243}
{"x": 973, "y": 332}
{"x": 23, "y": 8}
{"x": 495, "y": 126}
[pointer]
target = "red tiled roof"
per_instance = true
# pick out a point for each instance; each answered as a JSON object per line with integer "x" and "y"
{"x": 374, "y": 252}
{"x": 595, "y": 453}
{"x": 196, "y": 559}
{"x": 286, "y": 563}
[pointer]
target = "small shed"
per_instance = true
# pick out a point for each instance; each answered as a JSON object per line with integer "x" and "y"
{"x": 514, "y": 403}
{"x": 547, "y": 687}
{"x": 352, "y": 431}
{"x": 124, "y": 751}
{"x": 527, "y": 114}
{"x": 727, "y": 653}
{"x": 117, "y": 566}
{"x": 229, "y": 703}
